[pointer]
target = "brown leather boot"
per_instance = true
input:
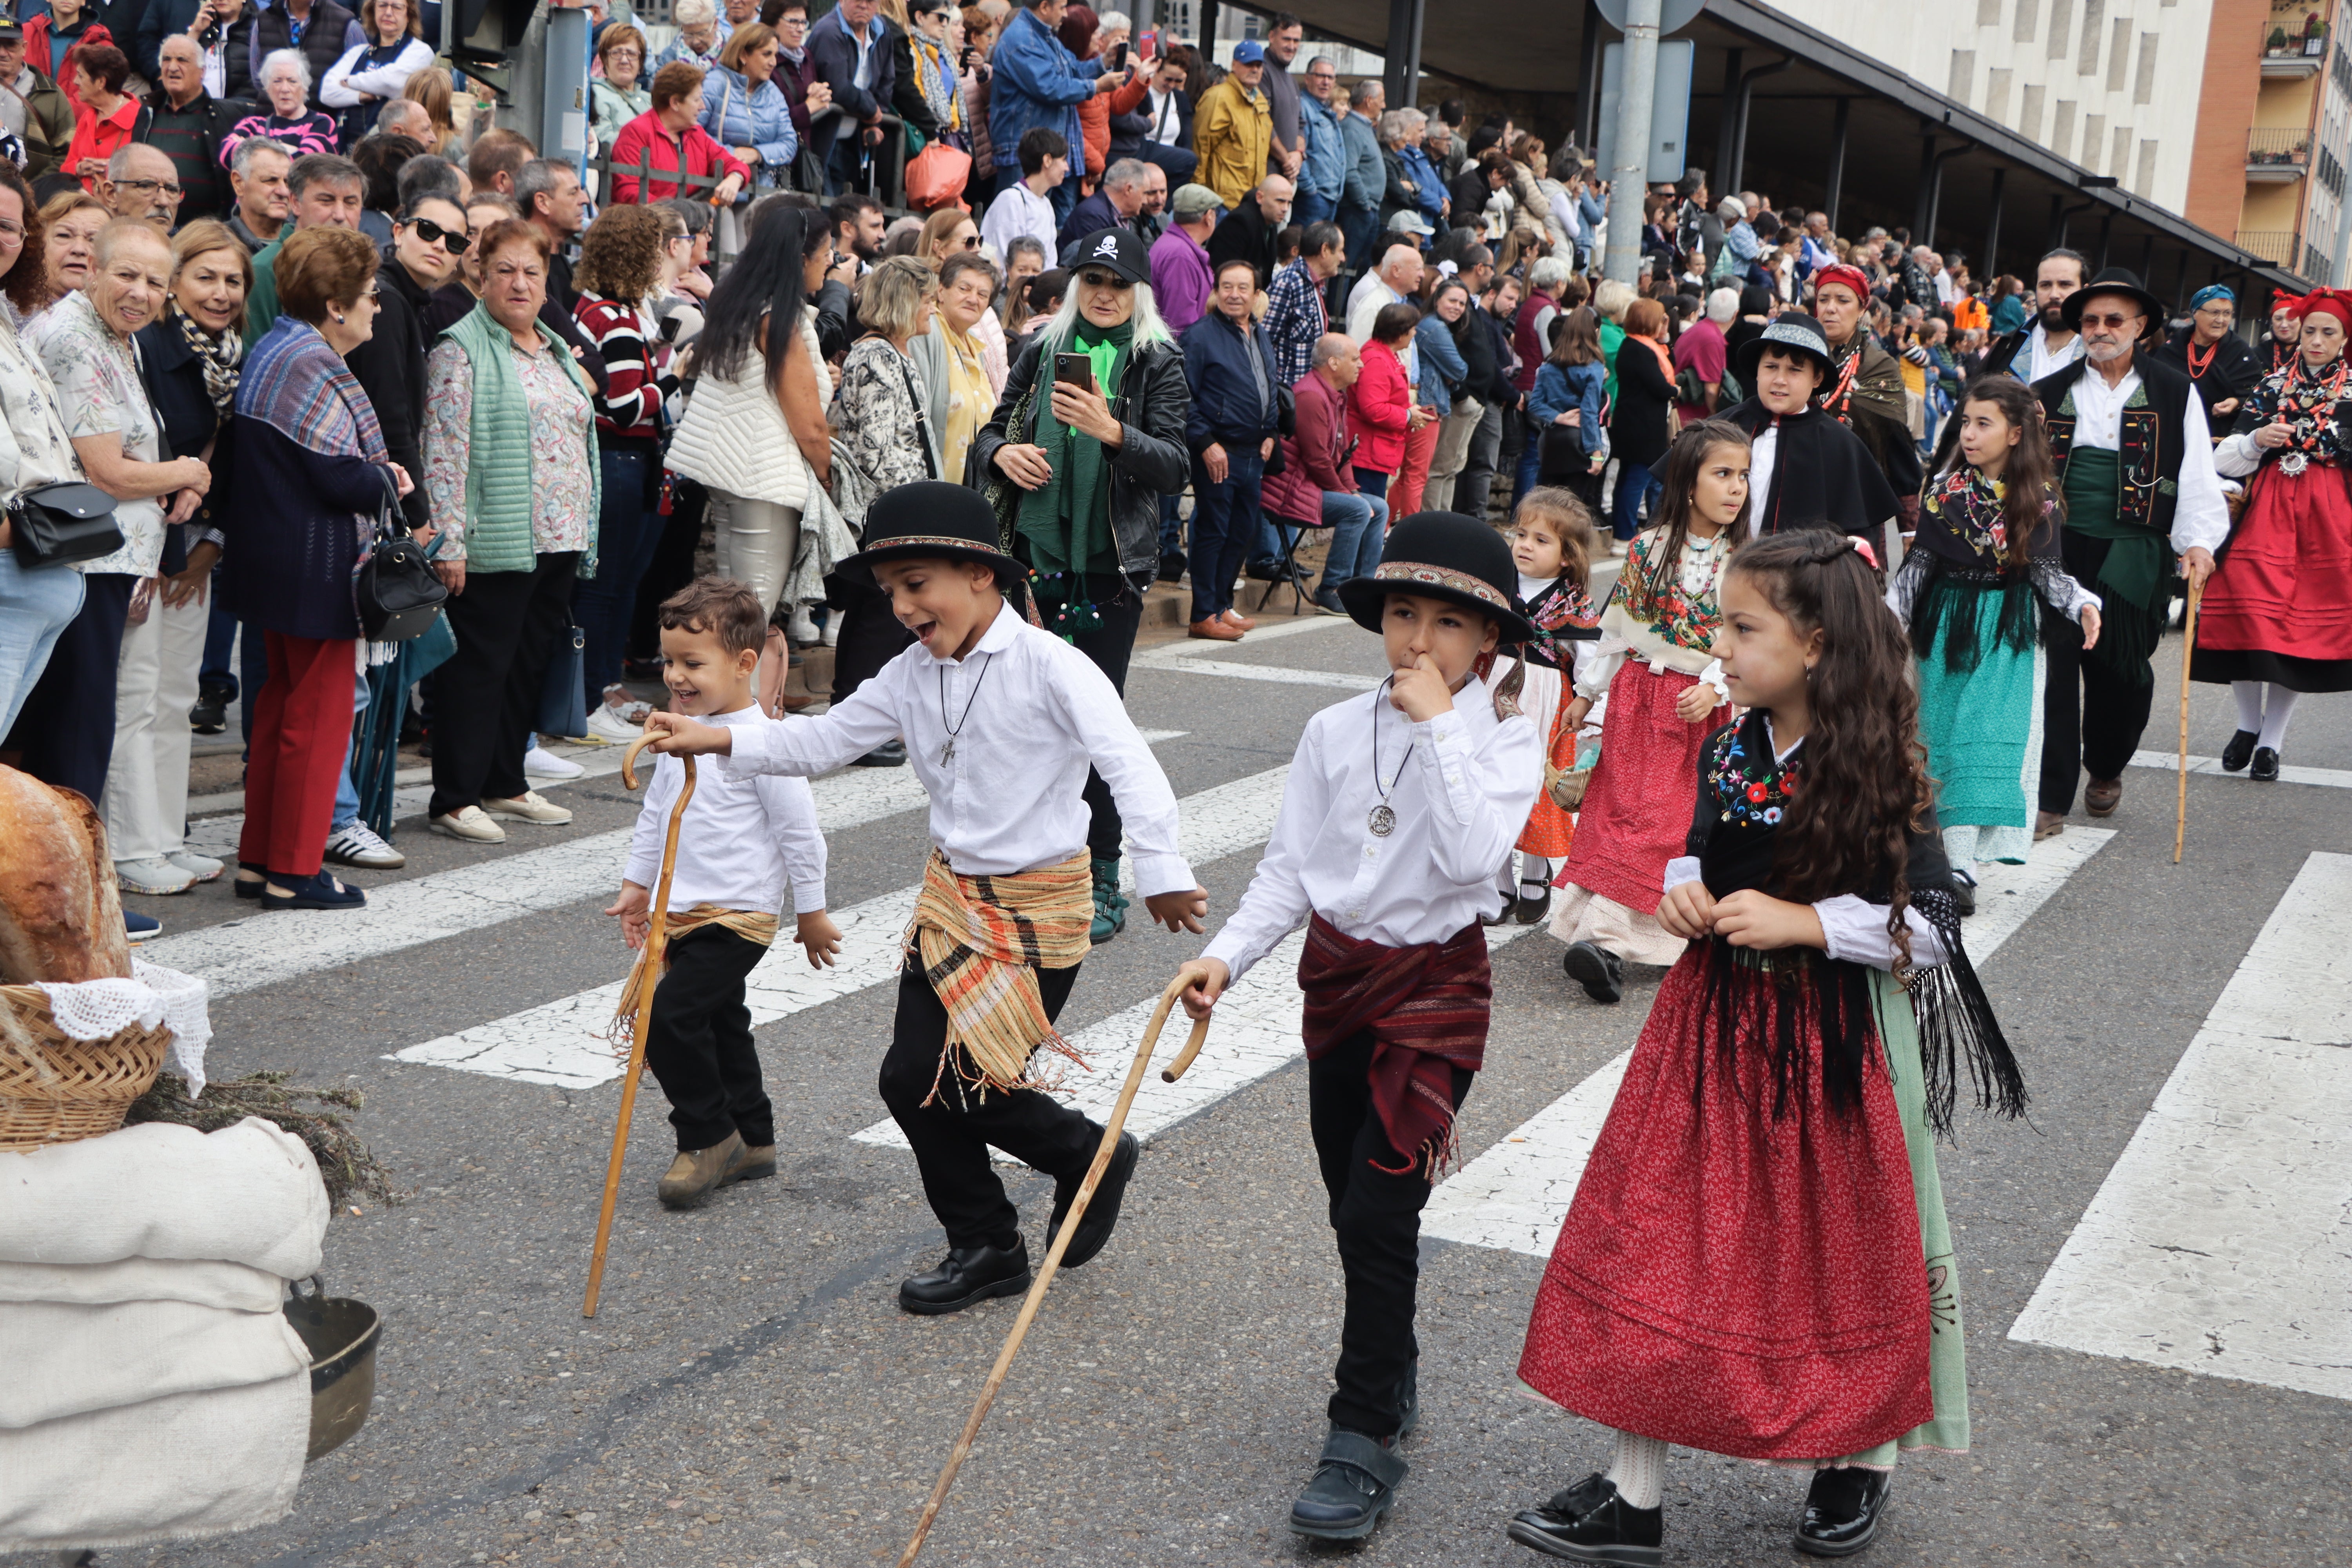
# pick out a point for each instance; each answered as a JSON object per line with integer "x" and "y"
{"x": 2048, "y": 824}
{"x": 1215, "y": 629}
{"x": 696, "y": 1173}
{"x": 2100, "y": 796}
{"x": 758, "y": 1163}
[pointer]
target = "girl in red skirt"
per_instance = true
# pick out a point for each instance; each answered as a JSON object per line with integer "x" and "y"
{"x": 1655, "y": 666}
{"x": 1757, "y": 1262}
{"x": 2278, "y": 610}
{"x": 1551, "y": 544}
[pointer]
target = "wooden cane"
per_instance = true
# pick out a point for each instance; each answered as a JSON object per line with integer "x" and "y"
{"x": 1036, "y": 1296}
{"x": 657, "y": 939}
{"x": 2187, "y": 647}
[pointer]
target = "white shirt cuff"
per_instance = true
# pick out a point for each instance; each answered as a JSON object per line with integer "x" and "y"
{"x": 1158, "y": 874}
{"x": 1680, "y": 869}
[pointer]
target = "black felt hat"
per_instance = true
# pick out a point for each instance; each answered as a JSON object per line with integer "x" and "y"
{"x": 931, "y": 520}
{"x": 1790, "y": 332}
{"x": 1444, "y": 555}
{"x": 2116, "y": 280}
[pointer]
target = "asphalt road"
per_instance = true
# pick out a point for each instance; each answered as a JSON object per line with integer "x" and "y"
{"x": 750, "y": 1394}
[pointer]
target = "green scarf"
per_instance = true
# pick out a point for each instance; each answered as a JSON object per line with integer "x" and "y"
{"x": 1066, "y": 520}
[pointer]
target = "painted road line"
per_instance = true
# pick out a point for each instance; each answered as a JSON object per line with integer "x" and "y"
{"x": 1255, "y": 1034}
{"x": 2222, "y": 1240}
{"x": 1514, "y": 1195}
{"x": 1280, "y": 675}
{"x": 561, "y": 1042}
{"x": 595, "y": 762}
{"x": 2169, "y": 762}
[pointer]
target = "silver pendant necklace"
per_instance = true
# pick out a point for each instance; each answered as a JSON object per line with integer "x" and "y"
{"x": 946, "y": 753}
{"x": 1381, "y": 819}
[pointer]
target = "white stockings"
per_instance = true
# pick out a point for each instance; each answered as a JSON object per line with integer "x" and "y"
{"x": 2265, "y": 720}
{"x": 1640, "y": 1470}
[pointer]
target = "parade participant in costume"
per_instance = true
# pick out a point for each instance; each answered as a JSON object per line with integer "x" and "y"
{"x": 2279, "y": 608}
{"x": 1552, "y": 538}
{"x": 1002, "y": 722}
{"x": 2213, "y": 355}
{"x": 1986, "y": 550}
{"x": 2143, "y": 505}
{"x": 2284, "y": 342}
{"x": 739, "y": 843}
{"x": 1783, "y": 1072}
{"x": 2048, "y": 345}
{"x": 1864, "y": 388}
{"x": 1807, "y": 470}
{"x": 1400, "y": 805}
{"x": 1656, "y": 663}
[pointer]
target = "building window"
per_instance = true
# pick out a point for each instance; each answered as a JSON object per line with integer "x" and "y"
{"x": 2062, "y": 128}
{"x": 2120, "y": 159}
{"x": 2087, "y": 63}
{"x": 2094, "y": 143}
{"x": 1964, "y": 75}
{"x": 2144, "y": 181}
{"x": 2144, "y": 89}
{"x": 2119, "y": 55}
{"x": 2023, "y": 32}
{"x": 1997, "y": 94}
{"x": 1987, "y": 12}
{"x": 2029, "y": 112}
{"x": 2061, "y": 13}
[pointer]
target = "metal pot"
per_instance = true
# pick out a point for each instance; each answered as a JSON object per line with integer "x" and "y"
{"x": 342, "y": 1337}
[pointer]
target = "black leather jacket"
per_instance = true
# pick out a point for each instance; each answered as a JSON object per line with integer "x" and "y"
{"x": 1151, "y": 406}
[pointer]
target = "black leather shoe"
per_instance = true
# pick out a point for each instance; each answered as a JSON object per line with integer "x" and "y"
{"x": 2241, "y": 747}
{"x": 2266, "y": 766}
{"x": 1841, "y": 1512}
{"x": 888, "y": 755}
{"x": 1327, "y": 601}
{"x": 1588, "y": 1522}
{"x": 1601, "y": 972}
{"x": 1531, "y": 912}
{"x": 1409, "y": 1400}
{"x": 1964, "y": 893}
{"x": 1171, "y": 566}
{"x": 969, "y": 1274}
{"x": 209, "y": 716}
{"x": 1102, "y": 1209}
{"x": 1262, "y": 571}
{"x": 1354, "y": 1483}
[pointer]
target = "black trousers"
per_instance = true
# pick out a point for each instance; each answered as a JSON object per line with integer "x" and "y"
{"x": 65, "y": 731}
{"x": 2091, "y": 718}
{"x": 485, "y": 698}
{"x": 700, "y": 1042}
{"x": 953, "y": 1135}
{"x": 1377, "y": 1220}
{"x": 1111, "y": 646}
{"x": 871, "y": 636}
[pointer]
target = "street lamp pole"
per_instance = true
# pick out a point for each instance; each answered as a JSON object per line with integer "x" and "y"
{"x": 1629, "y": 174}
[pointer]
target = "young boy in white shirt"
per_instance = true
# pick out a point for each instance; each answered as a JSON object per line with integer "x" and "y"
{"x": 738, "y": 845}
{"x": 1400, "y": 804}
{"x": 1001, "y": 722}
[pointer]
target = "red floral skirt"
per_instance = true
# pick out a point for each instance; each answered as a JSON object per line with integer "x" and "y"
{"x": 1731, "y": 1281}
{"x": 1637, "y": 810}
{"x": 2285, "y": 586}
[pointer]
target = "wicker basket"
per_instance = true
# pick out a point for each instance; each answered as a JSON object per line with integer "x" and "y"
{"x": 56, "y": 1089}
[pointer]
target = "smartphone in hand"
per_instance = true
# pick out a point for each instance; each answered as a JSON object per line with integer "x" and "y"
{"x": 1076, "y": 370}
{"x": 1118, "y": 60}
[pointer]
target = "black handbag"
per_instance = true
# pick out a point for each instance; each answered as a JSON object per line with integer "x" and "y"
{"x": 63, "y": 523}
{"x": 394, "y": 588}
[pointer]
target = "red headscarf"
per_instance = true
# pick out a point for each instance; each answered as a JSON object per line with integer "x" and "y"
{"x": 2292, "y": 304}
{"x": 2335, "y": 302}
{"x": 1852, "y": 277}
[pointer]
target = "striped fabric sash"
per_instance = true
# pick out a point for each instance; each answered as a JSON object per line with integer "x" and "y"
{"x": 982, "y": 940}
{"x": 751, "y": 925}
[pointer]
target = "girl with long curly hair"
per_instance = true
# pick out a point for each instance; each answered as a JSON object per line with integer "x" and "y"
{"x": 1757, "y": 1262}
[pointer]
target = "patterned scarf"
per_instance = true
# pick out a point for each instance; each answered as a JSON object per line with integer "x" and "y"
{"x": 982, "y": 940}
{"x": 751, "y": 925}
{"x": 299, "y": 387}
{"x": 219, "y": 357}
{"x": 931, "y": 74}
{"x": 1968, "y": 507}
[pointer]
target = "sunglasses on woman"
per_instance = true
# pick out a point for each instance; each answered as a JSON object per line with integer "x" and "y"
{"x": 432, "y": 233}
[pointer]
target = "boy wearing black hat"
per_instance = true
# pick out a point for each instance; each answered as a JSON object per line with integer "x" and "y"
{"x": 1400, "y": 804}
{"x": 1001, "y": 722}
{"x": 1805, "y": 468}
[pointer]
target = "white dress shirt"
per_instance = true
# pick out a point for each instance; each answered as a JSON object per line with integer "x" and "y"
{"x": 2041, "y": 360}
{"x": 740, "y": 839}
{"x": 1462, "y": 783}
{"x": 2201, "y": 513}
{"x": 1028, "y": 714}
{"x": 1017, "y": 211}
{"x": 1763, "y": 456}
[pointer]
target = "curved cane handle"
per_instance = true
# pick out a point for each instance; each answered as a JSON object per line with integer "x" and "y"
{"x": 629, "y": 760}
{"x": 1200, "y": 1037}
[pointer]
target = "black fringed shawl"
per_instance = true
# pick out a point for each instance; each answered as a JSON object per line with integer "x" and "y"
{"x": 1825, "y": 1006}
{"x": 1962, "y": 537}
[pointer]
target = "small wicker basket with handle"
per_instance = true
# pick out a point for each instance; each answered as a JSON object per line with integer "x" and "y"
{"x": 56, "y": 1089}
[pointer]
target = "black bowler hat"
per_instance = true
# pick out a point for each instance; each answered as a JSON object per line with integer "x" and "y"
{"x": 931, "y": 520}
{"x": 2115, "y": 281}
{"x": 1791, "y": 331}
{"x": 1444, "y": 555}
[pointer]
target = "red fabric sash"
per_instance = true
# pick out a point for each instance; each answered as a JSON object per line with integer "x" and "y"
{"x": 1426, "y": 1007}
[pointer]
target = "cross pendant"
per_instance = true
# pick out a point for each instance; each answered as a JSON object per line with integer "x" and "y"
{"x": 948, "y": 755}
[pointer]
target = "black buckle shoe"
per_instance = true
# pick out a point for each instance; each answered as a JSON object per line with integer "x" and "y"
{"x": 1590, "y": 1522}
{"x": 1102, "y": 1209}
{"x": 1354, "y": 1483}
{"x": 2266, "y": 766}
{"x": 967, "y": 1275}
{"x": 888, "y": 755}
{"x": 1842, "y": 1510}
{"x": 2239, "y": 751}
{"x": 1964, "y": 893}
{"x": 1601, "y": 972}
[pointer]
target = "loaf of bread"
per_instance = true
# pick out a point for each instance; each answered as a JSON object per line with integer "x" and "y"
{"x": 60, "y": 917}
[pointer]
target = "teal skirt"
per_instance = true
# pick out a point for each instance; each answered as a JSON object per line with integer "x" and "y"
{"x": 1983, "y": 730}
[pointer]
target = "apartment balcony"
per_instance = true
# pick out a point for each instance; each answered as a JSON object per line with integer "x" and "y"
{"x": 2292, "y": 56}
{"x": 2280, "y": 248}
{"x": 2277, "y": 154}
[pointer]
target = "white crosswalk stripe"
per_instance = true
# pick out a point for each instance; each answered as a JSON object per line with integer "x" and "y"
{"x": 2222, "y": 1241}
{"x": 1514, "y": 1195}
{"x": 2211, "y": 767}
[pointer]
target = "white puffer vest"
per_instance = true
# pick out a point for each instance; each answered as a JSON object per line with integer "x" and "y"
{"x": 734, "y": 438}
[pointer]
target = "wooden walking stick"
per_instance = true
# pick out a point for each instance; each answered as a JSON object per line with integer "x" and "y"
{"x": 657, "y": 939}
{"x": 1036, "y": 1296}
{"x": 2187, "y": 647}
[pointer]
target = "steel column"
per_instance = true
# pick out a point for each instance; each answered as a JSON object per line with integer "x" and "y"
{"x": 1836, "y": 176}
{"x": 1989, "y": 268}
{"x": 1629, "y": 180}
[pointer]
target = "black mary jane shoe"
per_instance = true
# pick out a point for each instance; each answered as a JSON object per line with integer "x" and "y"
{"x": 2266, "y": 766}
{"x": 1354, "y": 1483}
{"x": 249, "y": 887}
{"x": 1530, "y": 911}
{"x": 1102, "y": 1210}
{"x": 1842, "y": 1510}
{"x": 1590, "y": 1522}
{"x": 2239, "y": 751}
{"x": 1601, "y": 972}
{"x": 967, "y": 1275}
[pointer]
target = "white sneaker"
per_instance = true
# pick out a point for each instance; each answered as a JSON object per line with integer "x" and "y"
{"x": 203, "y": 868}
{"x": 543, "y": 764}
{"x": 529, "y": 806}
{"x": 357, "y": 844}
{"x": 153, "y": 876}
{"x": 469, "y": 823}
{"x": 833, "y": 629}
{"x": 803, "y": 631}
{"x": 607, "y": 725}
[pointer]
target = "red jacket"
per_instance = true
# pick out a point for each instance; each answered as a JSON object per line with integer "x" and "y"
{"x": 1381, "y": 402}
{"x": 646, "y": 140}
{"x": 36, "y": 52}
{"x": 1314, "y": 459}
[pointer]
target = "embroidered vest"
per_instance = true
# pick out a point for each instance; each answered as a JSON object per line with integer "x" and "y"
{"x": 2149, "y": 439}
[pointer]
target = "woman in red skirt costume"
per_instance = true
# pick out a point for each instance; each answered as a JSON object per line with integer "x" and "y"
{"x": 1654, "y": 665}
{"x": 2278, "y": 611}
{"x": 1757, "y": 1262}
